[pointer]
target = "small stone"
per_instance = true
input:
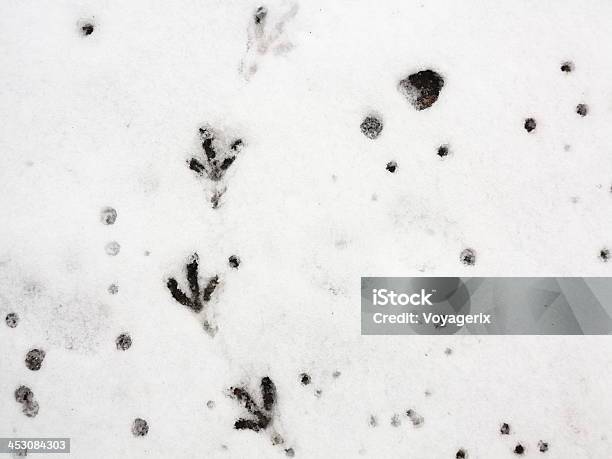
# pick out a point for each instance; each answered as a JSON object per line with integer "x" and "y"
{"x": 504, "y": 429}
{"x": 604, "y": 255}
{"x": 567, "y": 67}
{"x": 34, "y": 359}
{"x": 11, "y": 319}
{"x": 123, "y": 342}
{"x": 461, "y": 454}
{"x": 113, "y": 289}
{"x": 392, "y": 166}
{"x": 582, "y": 109}
{"x": 304, "y": 379}
{"x": 289, "y": 452}
{"x": 422, "y": 89}
{"x": 443, "y": 151}
{"x": 87, "y": 29}
{"x": 24, "y": 394}
{"x": 542, "y": 446}
{"x": 371, "y": 126}
{"x": 530, "y": 124}
{"x": 140, "y": 427}
{"x": 519, "y": 449}
{"x": 468, "y": 257}
{"x": 234, "y": 261}
{"x": 210, "y": 404}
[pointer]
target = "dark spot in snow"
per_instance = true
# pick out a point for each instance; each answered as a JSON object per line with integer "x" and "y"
{"x": 604, "y": 255}
{"x": 461, "y": 454}
{"x": 123, "y": 342}
{"x": 504, "y": 429}
{"x": 234, "y": 261}
{"x": 422, "y": 88}
{"x": 289, "y": 452}
{"x": 582, "y": 109}
{"x": 567, "y": 67}
{"x": 140, "y": 427}
{"x": 395, "y": 420}
{"x": 34, "y": 359}
{"x": 371, "y": 126}
{"x": 87, "y": 29}
{"x": 468, "y": 257}
{"x": 443, "y": 151}
{"x": 108, "y": 215}
{"x": 210, "y": 404}
{"x": 260, "y": 15}
{"x": 519, "y": 449}
{"x": 372, "y": 421}
{"x": 530, "y": 124}
{"x": 336, "y": 374}
{"x": 542, "y": 446}
{"x": 305, "y": 379}
{"x": 392, "y": 166}
{"x": 25, "y": 396}
{"x": 11, "y": 319}
{"x": 113, "y": 289}
{"x": 448, "y": 351}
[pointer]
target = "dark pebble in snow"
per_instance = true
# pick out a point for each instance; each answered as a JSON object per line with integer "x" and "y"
{"x": 504, "y": 429}
{"x": 542, "y": 446}
{"x": 422, "y": 88}
{"x": 234, "y": 261}
{"x": 392, "y": 166}
{"x": 604, "y": 255}
{"x": 87, "y": 29}
{"x": 461, "y": 454}
{"x": 371, "y": 126}
{"x": 567, "y": 67}
{"x": 123, "y": 342}
{"x": 468, "y": 257}
{"x": 519, "y": 449}
{"x": 34, "y": 359}
{"x": 530, "y": 124}
{"x": 140, "y": 427}
{"x": 582, "y": 109}
{"x": 11, "y": 319}
{"x": 305, "y": 379}
{"x": 443, "y": 151}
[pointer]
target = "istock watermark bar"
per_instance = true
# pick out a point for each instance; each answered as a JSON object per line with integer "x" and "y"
{"x": 486, "y": 305}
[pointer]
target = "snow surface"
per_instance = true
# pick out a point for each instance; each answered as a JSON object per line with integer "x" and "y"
{"x": 111, "y": 119}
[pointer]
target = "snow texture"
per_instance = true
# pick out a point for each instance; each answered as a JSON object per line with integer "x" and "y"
{"x": 101, "y": 110}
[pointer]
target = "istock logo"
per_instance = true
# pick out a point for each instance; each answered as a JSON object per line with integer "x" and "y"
{"x": 384, "y": 297}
